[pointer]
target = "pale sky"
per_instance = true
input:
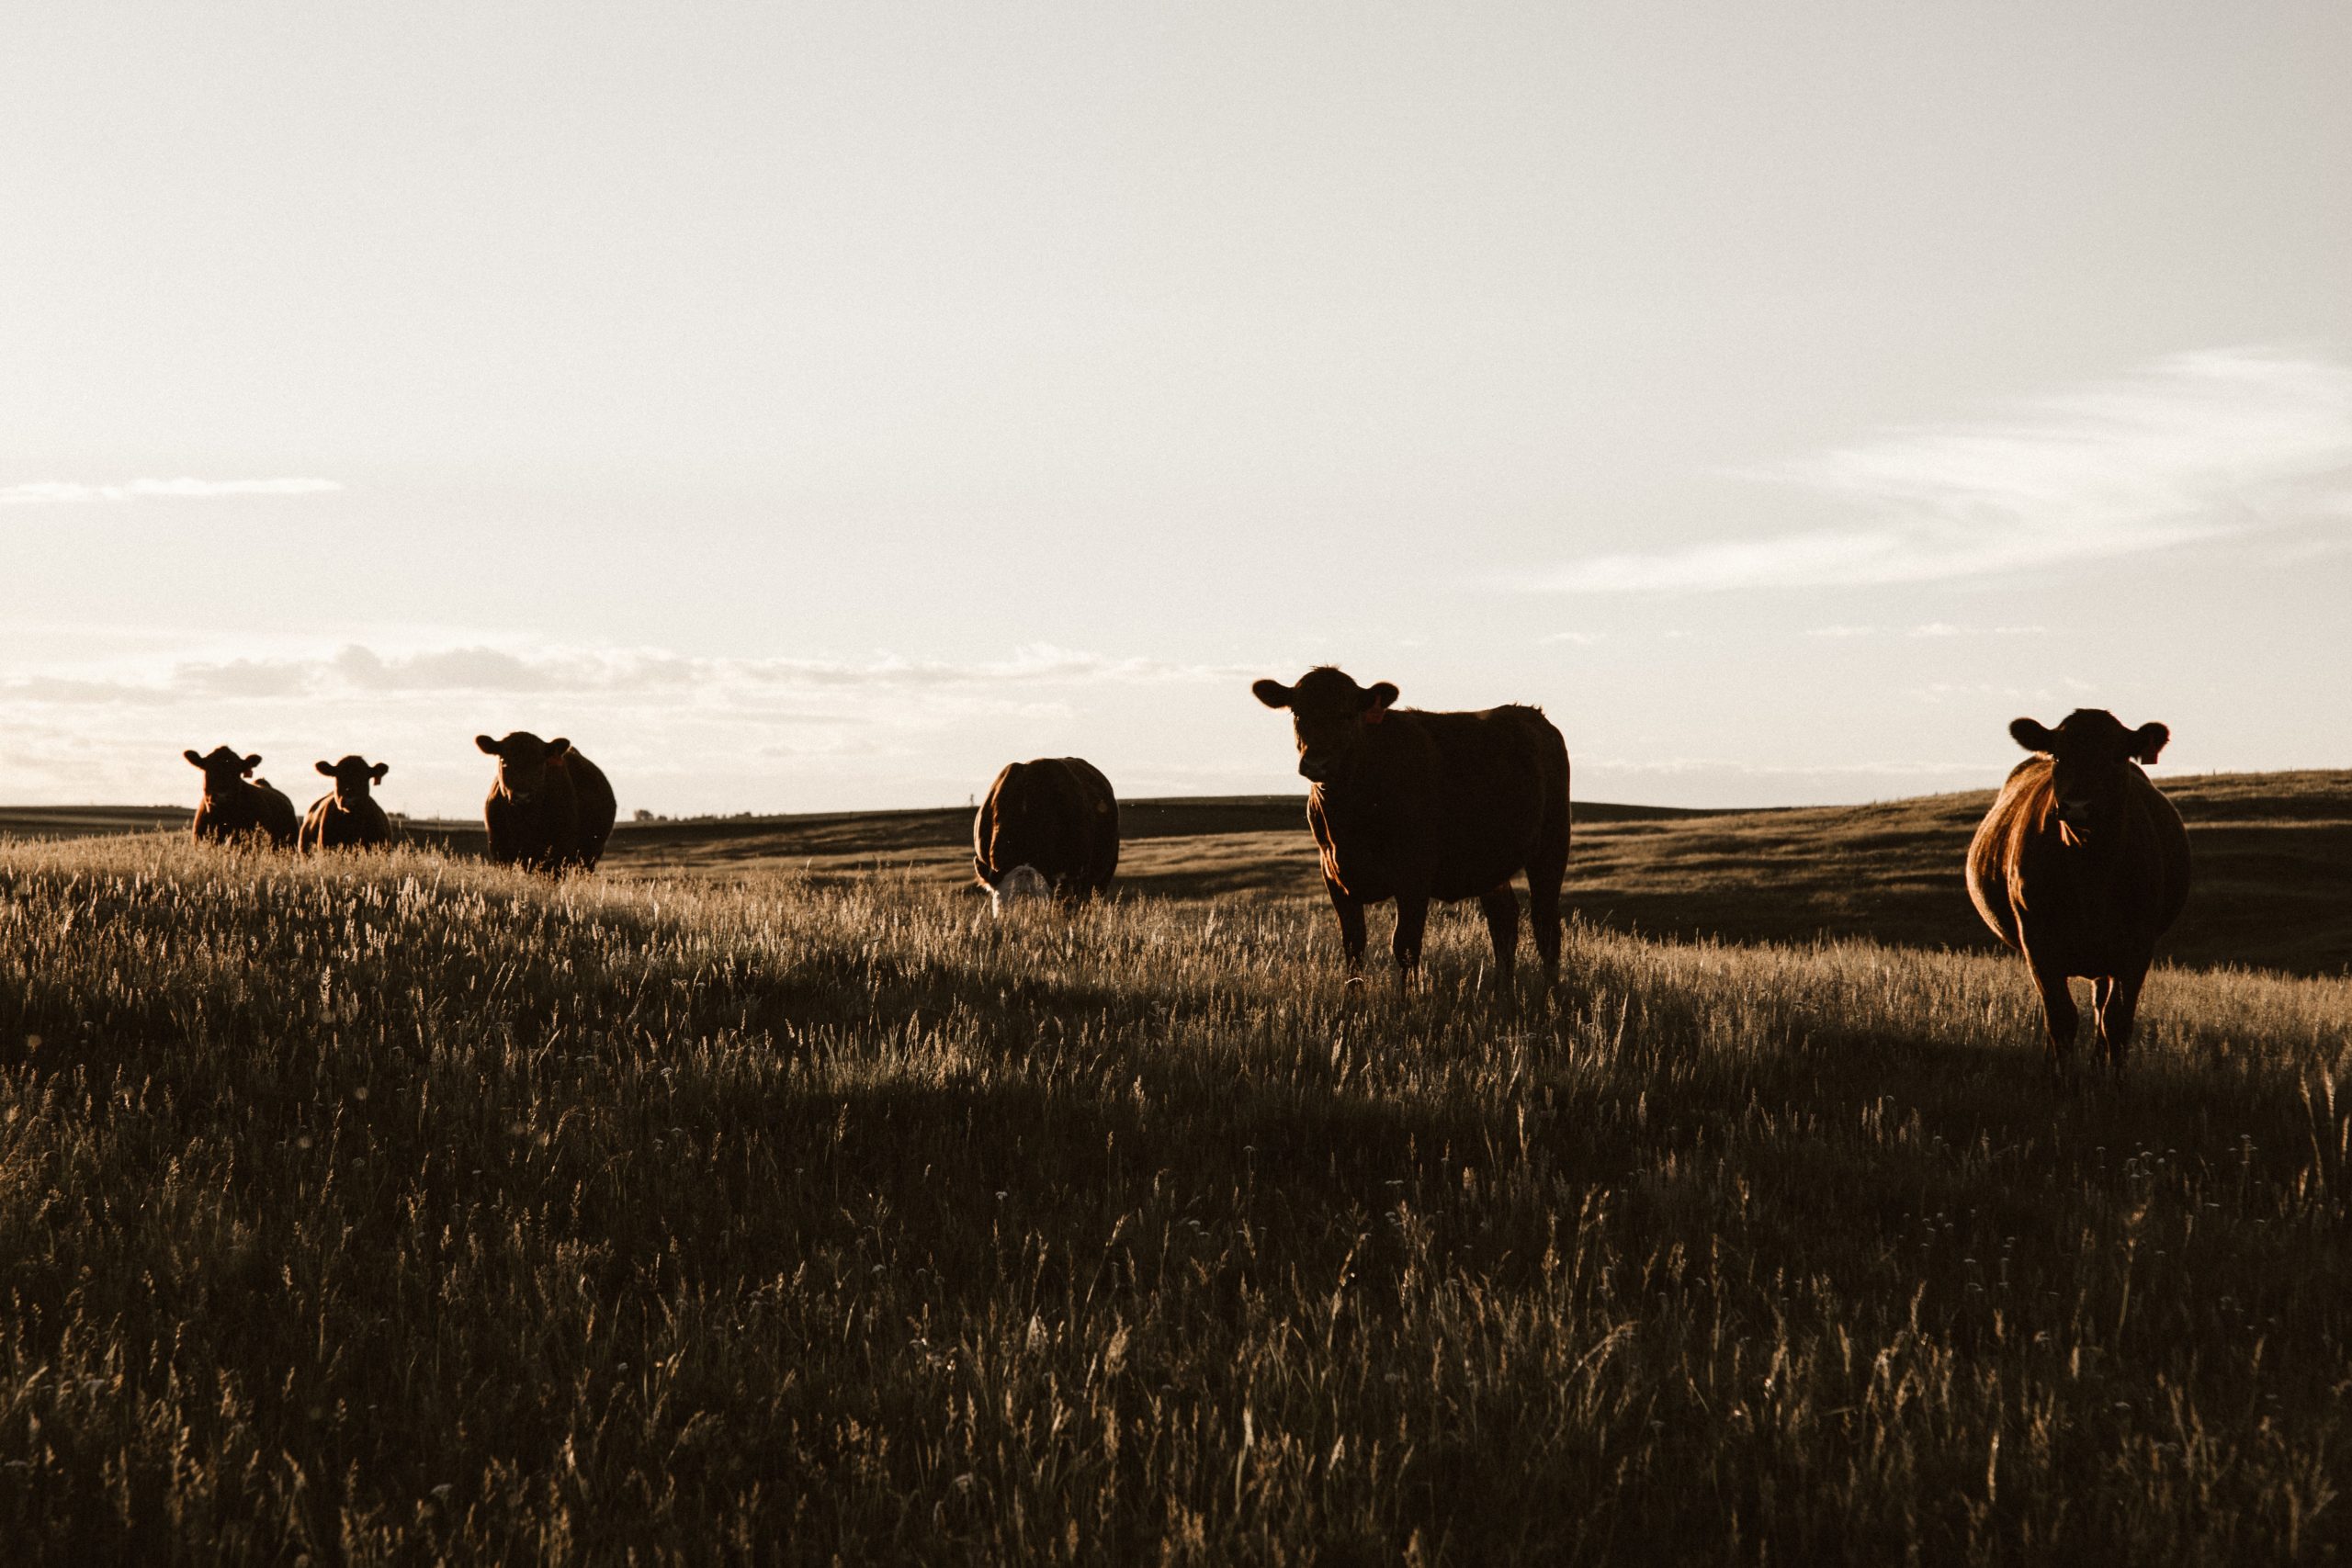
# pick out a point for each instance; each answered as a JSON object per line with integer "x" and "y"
{"x": 807, "y": 408}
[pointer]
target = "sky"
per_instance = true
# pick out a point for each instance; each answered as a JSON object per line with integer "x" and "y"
{"x": 816, "y": 407}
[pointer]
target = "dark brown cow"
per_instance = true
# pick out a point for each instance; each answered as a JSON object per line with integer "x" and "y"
{"x": 1050, "y": 825}
{"x": 348, "y": 817}
{"x": 1415, "y": 806}
{"x": 2080, "y": 865}
{"x": 550, "y": 807}
{"x": 234, "y": 804}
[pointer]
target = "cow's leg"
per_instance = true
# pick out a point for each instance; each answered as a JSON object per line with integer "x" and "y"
{"x": 1543, "y": 879}
{"x": 1412, "y": 918}
{"x": 1352, "y": 937}
{"x": 2119, "y": 1005}
{"x": 2059, "y": 1014}
{"x": 1501, "y": 906}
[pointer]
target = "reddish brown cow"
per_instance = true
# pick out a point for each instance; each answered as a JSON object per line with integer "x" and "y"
{"x": 550, "y": 807}
{"x": 347, "y": 817}
{"x": 1415, "y": 806}
{"x": 1050, "y": 825}
{"x": 2080, "y": 865}
{"x": 235, "y": 803}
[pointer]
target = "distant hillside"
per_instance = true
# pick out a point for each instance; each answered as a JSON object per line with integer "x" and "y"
{"x": 2274, "y": 860}
{"x": 2273, "y": 871}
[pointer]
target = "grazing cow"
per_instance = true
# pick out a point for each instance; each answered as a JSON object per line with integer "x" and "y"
{"x": 347, "y": 817}
{"x": 1415, "y": 806}
{"x": 235, "y": 804}
{"x": 550, "y": 807}
{"x": 1051, "y": 825}
{"x": 2080, "y": 865}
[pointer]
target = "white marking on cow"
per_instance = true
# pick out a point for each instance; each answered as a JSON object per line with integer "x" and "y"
{"x": 1021, "y": 883}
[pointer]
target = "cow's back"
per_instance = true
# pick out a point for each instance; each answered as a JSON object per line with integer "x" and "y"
{"x": 593, "y": 809}
{"x": 1495, "y": 799}
{"x": 2166, "y": 837}
{"x": 274, "y": 810}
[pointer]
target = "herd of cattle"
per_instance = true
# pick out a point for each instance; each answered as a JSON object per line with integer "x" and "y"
{"x": 2079, "y": 867}
{"x": 550, "y": 807}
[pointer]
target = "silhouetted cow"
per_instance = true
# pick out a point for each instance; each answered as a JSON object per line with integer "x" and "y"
{"x": 2080, "y": 865}
{"x": 550, "y": 807}
{"x": 233, "y": 806}
{"x": 1054, "y": 819}
{"x": 1415, "y": 806}
{"x": 348, "y": 817}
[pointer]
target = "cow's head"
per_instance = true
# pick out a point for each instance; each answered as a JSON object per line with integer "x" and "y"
{"x": 353, "y": 776}
{"x": 1328, "y": 713}
{"x": 2090, "y": 755}
{"x": 1021, "y": 885}
{"x": 222, "y": 768}
{"x": 523, "y": 760}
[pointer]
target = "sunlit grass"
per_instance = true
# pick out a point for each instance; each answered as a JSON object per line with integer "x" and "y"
{"x": 392, "y": 1207}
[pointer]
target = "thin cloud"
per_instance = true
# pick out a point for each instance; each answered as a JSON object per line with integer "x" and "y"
{"x": 624, "y": 676}
{"x": 1682, "y": 766}
{"x": 1924, "y": 629}
{"x": 69, "y": 493}
{"x": 2199, "y": 447}
{"x": 1945, "y": 628}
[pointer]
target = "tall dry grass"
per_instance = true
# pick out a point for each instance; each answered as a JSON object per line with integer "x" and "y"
{"x": 399, "y": 1208}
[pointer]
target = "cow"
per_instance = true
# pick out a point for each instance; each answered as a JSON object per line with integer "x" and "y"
{"x": 347, "y": 817}
{"x": 550, "y": 807}
{"x": 1415, "y": 806}
{"x": 235, "y": 803}
{"x": 1048, "y": 826}
{"x": 2080, "y": 866}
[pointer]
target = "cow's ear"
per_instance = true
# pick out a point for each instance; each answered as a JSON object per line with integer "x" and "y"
{"x": 2148, "y": 742}
{"x": 1380, "y": 697}
{"x": 252, "y": 762}
{"x": 558, "y": 748}
{"x": 326, "y": 768}
{"x": 487, "y": 744}
{"x": 193, "y": 760}
{"x": 379, "y": 770}
{"x": 2031, "y": 735}
{"x": 1273, "y": 693}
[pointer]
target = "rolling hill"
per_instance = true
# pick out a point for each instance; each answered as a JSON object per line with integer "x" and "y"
{"x": 2274, "y": 860}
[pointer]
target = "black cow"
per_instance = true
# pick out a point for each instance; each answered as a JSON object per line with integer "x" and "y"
{"x": 235, "y": 803}
{"x": 550, "y": 807}
{"x": 347, "y": 817}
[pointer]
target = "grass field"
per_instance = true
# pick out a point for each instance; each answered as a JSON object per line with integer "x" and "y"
{"x": 400, "y": 1208}
{"x": 2273, "y": 852}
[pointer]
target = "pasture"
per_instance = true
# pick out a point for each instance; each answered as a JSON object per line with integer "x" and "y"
{"x": 758, "y": 1199}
